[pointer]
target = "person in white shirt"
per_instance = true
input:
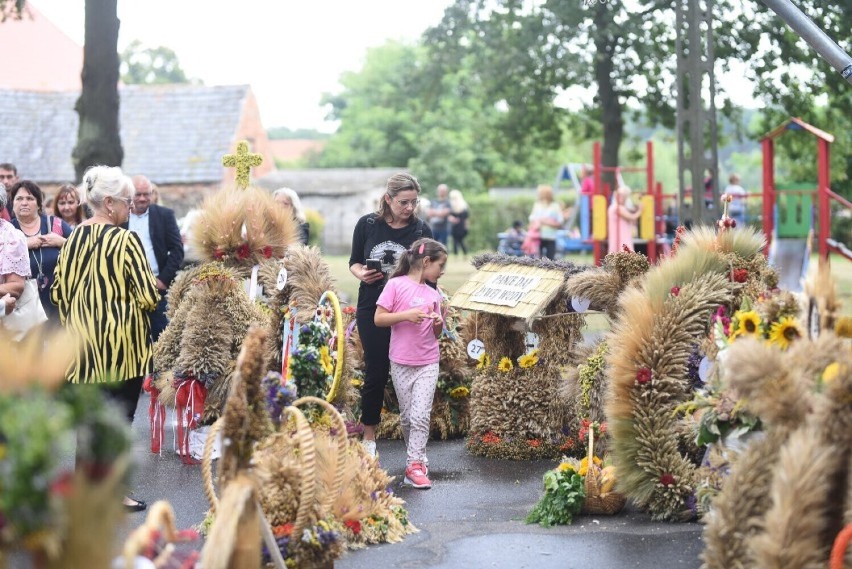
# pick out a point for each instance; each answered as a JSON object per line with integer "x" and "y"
{"x": 737, "y": 207}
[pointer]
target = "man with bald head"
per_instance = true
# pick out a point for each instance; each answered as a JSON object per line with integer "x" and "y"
{"x": 160, "y": 235}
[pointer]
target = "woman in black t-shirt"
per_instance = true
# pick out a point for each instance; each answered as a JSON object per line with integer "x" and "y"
{"x": 381, "y": 237}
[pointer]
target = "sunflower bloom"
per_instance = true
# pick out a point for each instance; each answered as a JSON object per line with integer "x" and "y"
{"x": 565, "y": 466}
{"x": 484, "y": 362}
{"x": 785, "y": 332}
{"x": 748, "y": 324}
{"x": 460, "y": 392}
{"x": 505, "y": 365}
{"x": 527, "y": 360}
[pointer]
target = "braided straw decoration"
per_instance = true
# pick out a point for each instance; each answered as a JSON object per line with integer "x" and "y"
{"x": 207, "y": 465}
{"x": 305, "y": 439}
{"x": 342, "y": 444}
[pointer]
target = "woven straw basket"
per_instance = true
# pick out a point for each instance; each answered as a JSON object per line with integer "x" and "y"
{"x": 305, "y": 440}
{"x": 597, "y": 503}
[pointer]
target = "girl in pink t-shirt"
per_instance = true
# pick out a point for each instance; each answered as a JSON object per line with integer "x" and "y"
{"x": 412, "y": 309}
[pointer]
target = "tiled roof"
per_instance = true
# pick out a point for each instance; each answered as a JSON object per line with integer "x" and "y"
{"x": 329, "y": 181}
{"x": 172, "y": 133}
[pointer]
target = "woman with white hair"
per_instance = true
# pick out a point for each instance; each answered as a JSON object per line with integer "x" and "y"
{"x": 14, "y": 261}
{"x": 289, "y": 199}
{"x": 105, "y": 291}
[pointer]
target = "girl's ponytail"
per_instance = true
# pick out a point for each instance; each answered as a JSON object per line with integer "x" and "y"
{"x": 415, "y": 254}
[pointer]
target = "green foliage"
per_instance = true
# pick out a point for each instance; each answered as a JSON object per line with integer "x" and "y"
{"x": 284, "y": 133}
{"x": 151, "y": 66}
{"x": 488, "y": 217}
{"x": 563, "y": 498}
{"x": 38, "y": 429}
{"x": 317, "y": 222}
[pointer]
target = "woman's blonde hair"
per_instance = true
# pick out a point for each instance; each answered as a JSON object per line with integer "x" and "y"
{"x": 544, "y": 193}
{"x": 457, "y": 203}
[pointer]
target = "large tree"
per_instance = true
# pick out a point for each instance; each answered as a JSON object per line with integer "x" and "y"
{"x": 98, "y": 138}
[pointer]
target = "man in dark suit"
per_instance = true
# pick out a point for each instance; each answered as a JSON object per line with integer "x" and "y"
{"x": 160, "y": 235}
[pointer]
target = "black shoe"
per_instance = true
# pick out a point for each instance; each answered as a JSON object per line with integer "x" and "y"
{"x": 138, "y": 506}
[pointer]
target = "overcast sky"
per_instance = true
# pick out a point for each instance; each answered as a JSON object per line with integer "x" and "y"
{"x": 289, "y": 51}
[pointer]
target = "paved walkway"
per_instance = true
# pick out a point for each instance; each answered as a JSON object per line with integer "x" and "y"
{"x": 472, "y": 517}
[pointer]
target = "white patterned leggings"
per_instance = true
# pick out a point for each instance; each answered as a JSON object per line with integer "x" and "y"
{"x": 415, "y": 390}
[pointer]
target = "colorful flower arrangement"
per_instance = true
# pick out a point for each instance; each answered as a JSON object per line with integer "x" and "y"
{"x": 310, "y": 363}
{"x": 772, "y": 318}
{"x": 37, "y": 429}
{"x": 317, "y": 546}
{"x": 492, "y": 445}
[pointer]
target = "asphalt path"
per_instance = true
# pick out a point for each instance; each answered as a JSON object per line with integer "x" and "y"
{"x": 471, "y": 517}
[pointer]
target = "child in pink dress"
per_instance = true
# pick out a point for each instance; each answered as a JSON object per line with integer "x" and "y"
{"x": 622, "y": 218}
{"x": 412, "y": 309}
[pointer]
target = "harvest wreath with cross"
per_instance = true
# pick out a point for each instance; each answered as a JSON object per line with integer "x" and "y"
{"x": 254, "y": 273}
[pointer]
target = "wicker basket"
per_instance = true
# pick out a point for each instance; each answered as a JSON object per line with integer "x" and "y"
{"x": 597, "y": 503}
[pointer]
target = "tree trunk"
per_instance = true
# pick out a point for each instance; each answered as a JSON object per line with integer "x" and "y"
{"x": 98, "y": 138}
{"x": 611, "y": 111}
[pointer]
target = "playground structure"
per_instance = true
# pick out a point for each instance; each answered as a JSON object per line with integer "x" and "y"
{"x": 590, "y": 213}
{"x": 788, "y": 209}
{"x": 787, "y": 212}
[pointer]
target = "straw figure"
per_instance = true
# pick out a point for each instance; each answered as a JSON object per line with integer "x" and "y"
{"x": 602, "y": 285}
{"x": 660, "y": 324}
{"x": 787, "y": 496}
{"x": 234, "y": 540}
{"x": 236, "y": 230}
{"x": 514, "y": 413}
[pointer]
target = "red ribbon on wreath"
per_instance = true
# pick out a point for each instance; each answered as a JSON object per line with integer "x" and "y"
{"x": 156, "y": 414}
{"x": 189, "y": 406}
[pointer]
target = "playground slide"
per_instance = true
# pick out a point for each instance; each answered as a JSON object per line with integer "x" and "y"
{"x": 790, "y": 257}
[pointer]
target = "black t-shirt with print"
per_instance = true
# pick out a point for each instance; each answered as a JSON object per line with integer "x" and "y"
{"x": 373, "y": 238}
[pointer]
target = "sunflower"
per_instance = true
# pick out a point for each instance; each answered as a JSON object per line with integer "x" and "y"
{"x": 528, "y": 360}
{"x": 565, "y": 466}
{"x": 784, "y": 332}
{"x": 325, "y": 360}
{"x": 748, "y": 324}
{"x": 460, "y": 392}
{"x": 484, "y": 361}
{"x": 505, "y": 364}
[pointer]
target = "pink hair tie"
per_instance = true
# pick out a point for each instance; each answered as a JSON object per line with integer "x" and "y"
{"x": 422, "y": 247}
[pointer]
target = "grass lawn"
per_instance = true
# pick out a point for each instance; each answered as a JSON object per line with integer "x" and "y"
{"x": 459, "y": 271}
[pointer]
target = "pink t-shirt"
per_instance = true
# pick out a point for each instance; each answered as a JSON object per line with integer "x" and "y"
{"x": 411, "y": 344}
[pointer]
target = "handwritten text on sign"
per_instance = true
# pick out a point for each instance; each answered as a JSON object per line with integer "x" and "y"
{"x": 505, "y": 289}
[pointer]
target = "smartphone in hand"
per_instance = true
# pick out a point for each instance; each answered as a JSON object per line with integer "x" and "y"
{"x": 374, "y": 264}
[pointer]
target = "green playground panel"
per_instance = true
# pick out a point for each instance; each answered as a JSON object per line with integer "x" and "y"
{"x": 794, "y": 209}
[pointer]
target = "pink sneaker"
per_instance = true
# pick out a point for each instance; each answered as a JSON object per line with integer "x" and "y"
{"x": 415, "y": 475}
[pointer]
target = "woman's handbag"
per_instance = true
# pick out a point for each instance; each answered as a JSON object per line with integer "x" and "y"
{"x": 28, "y": 312}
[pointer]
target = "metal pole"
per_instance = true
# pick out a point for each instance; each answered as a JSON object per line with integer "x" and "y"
{"x": 811, "y": 33}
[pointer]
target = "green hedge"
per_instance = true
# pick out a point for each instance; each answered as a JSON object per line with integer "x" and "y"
{"x": 488, "y": 217}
